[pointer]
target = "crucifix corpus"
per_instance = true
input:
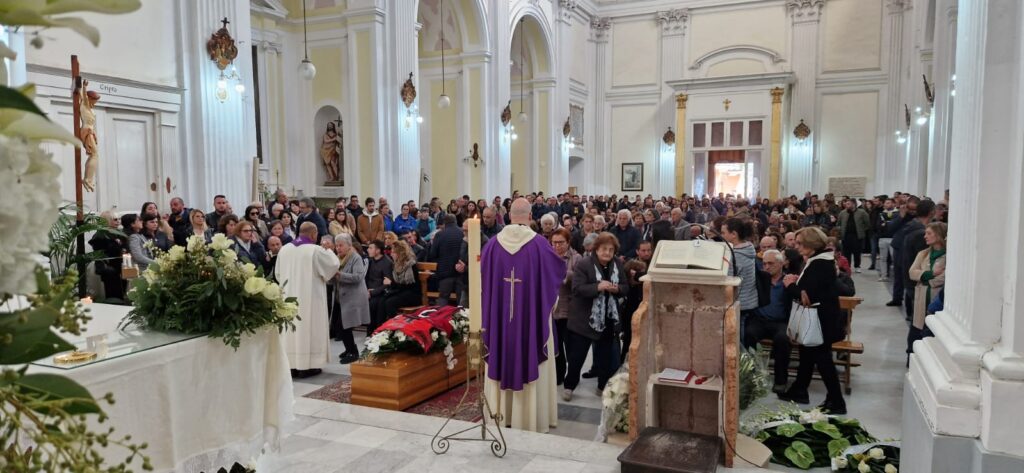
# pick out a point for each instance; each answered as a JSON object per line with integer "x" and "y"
{"x": 727, "y": 103}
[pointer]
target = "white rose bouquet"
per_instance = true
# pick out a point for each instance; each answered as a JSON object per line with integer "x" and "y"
{"x": 390, "y": 341}
{"x": 882, "y": 457}
{"x": 204, "y": 288}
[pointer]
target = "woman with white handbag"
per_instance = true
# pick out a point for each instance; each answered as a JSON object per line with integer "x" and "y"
{"x": 816, "y": 300}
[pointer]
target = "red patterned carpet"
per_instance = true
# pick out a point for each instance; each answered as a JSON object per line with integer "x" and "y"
{"x": 438, "y": 406}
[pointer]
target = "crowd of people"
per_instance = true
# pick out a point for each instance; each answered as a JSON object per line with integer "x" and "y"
{"x": 787, "y": 251}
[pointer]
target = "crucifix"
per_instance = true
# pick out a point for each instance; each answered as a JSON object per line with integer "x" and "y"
{"x": 225, "y": 22}
{"x": 727, "y": 103}
{"x": 511, "y": 280}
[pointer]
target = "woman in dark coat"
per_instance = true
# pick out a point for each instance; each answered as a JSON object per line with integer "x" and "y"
{"x": 109, "y": 267}
{"x": 816, "y": 286}
{"x": 598, "y": 283}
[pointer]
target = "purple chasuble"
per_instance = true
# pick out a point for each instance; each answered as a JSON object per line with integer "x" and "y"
{"x": 519, "y": 293}
{"x": 302, "y": 240}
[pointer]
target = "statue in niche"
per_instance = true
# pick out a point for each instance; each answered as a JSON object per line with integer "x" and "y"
{"x": 331, "y": 149}
{"x": 87, "y": 101}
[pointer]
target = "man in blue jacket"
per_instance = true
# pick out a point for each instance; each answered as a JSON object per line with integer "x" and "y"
{"x": 308, "y": 213}
{"x": 628, "y": 235}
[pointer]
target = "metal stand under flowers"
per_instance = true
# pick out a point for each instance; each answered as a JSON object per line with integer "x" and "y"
{"x": 440, "y": 443}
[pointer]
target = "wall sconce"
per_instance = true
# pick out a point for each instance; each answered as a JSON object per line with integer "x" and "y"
{"x": 506, "y": 122}
{"x": 222, "y": 50}
{"x": 408, "y": 94}
{"x": 669, "y": 138}
{"x": 474, "y": 156}
{"x": 566, "y": 134}
{"x": 952, "y": 86}
{"x": 928, "y": 92}
{"x": 922, "y": 116}
{"x": 900, "y": 137}
{"x": 802, "y": 132}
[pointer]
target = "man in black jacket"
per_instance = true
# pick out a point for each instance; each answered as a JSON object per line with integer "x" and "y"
{"x": 220, "y": 209}
{"x": 378, "y": 269}
{"x": 308, "y": 213}
{"x": 628, "y": 235}
{"x": 913, "y": 243}
{"x": 444, "y": 250}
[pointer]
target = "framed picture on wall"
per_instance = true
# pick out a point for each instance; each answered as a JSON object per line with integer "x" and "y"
{"x": 632, "y": 176}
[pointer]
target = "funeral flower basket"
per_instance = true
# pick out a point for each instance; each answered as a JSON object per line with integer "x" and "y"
{"x": 427, "y": 330}
{"x": 805, "y": 439}
{"x": 203, "y": 288}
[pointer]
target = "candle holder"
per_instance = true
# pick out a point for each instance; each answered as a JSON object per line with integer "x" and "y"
{"x": 475, "y": 353}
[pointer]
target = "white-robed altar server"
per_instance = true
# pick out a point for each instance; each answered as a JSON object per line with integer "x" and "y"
{"x": 303, "y": 269}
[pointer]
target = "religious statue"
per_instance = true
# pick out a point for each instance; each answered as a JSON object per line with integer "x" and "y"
{"x": 87, "y": 101}
{"x": 330, "y": 153}
{"x": 520, "y": 277}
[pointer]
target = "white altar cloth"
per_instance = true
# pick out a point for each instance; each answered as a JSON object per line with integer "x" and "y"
{"x": 198, "y": 403}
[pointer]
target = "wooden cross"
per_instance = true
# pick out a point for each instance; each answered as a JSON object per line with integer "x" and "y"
{"x": 511, "y": 280}
{"x": 727, "y": 102}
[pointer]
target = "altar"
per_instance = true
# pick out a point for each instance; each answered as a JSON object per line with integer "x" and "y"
{"x": 199, "y": 404}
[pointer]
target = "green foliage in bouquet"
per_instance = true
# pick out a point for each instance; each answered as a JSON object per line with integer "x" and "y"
{"x": 43, "y": 416}
{"x": 203, "y": 288}
{"x": 805, "y": 439}
{"x": 753, "y": 372}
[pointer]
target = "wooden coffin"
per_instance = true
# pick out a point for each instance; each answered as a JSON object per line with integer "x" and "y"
{"x": 398, "y": 381}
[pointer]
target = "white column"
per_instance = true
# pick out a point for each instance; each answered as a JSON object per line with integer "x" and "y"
{"x": 402, "y": 167}
{"x": 801, "y": 162}
{"x": 498, "y": 87}
{"x": 219, "y": 137}
{"x": 559, "y": 180}
{"x": 889, "y": 170}
{"x": 944, "y": 55}
{"x": 969, "y": 378}
{"x": 600, "y": 32}
{"x": 914, "y": 97}
{"x": 673, "y": 66}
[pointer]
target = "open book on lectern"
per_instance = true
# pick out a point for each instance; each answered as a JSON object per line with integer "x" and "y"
{"x": 693, "y": 258}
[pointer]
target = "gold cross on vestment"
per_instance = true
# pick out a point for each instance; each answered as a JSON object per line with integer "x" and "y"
{"x": 727, "y": 103}
{"x": 511, "y": 280}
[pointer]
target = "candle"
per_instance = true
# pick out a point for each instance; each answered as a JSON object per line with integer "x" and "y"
{"x": 475, "y": 288}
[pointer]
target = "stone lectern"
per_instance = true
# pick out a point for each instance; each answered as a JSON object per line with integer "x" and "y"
{"x": 687, "y": 321}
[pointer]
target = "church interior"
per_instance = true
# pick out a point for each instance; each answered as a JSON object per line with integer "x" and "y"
{"x": 736, "y": 116}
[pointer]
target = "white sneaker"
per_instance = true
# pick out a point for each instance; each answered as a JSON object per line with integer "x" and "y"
{"x": 567, "y": 395}
{"x": 857, "y": 270}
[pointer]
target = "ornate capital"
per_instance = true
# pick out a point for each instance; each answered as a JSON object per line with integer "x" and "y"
{"x": 674, "y": 21}
{"x": 566, "y": 7}
{"x": 898, "y": 6}
{"x": 777, "y": 95}
{"x": 805, "y": 10}
{"x": 681, "y": 101}
{"x": 599, "y": 28}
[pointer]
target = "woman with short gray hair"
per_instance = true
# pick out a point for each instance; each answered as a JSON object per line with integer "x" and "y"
{"x": 351, "y": 306}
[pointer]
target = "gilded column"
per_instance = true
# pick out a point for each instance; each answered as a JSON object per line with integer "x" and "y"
{"x": 773, "y": 173}
{"x": 681, "y": 143}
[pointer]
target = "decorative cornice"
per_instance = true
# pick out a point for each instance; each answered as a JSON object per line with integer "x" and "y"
{"x": 599, "y": 28}
{"x": 674, "y": 21}
{"x": 805, "y": 10}
{"x": 772, "y": 56}
{"x": 565, "y": 10}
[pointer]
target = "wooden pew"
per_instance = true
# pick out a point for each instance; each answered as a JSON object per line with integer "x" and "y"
{"x": 424, "y": 271}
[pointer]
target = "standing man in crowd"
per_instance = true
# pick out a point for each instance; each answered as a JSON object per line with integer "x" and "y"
{"x": 854, "y": 223}
{"x": 220, "y": 209}
{"x": 309, "y": 213}
{"x": 626, "y": 233}
{"x": 369, "y": 224}
{"x": 444, "y": 251}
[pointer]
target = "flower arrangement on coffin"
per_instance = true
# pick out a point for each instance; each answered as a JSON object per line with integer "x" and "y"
{"x": 429, "y": 329}
{"x": 615, "y": 404}
{"x": 871, "y": 458}
{"x": 203, "y": 288}
{"x": 805, "y": 439}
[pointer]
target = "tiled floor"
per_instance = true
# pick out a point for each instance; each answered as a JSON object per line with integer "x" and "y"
{"x": 330, "y": 437}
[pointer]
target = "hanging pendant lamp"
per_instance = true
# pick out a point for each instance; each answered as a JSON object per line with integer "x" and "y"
{"x": 444, "y": 100}
{"x": 306, "y": 68}
{"x": 523, "y": 118}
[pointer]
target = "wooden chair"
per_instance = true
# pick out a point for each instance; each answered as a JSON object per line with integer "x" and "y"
{"x": 843, "y": 349}
{"x": 424, "y": 272}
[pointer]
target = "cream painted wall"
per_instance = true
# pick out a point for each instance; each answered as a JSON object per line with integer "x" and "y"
{"x": 476, "y": 132}
{"x": 368, "y": 164}
{"x": 633, "y": 140}
{"x": 140, "y": 46}
{"x": 764, "y": 27}
{"x": 635, "y": 53}
{"x": 847, "y": 136}
{"x": 852, "y": 35}
{"x": 736, "y": 67}
{"x": 329, "y": 84}
{"x": 443, "y": 141}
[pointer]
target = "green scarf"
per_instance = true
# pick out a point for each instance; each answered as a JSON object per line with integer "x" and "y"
{"x": 927, "y": 276}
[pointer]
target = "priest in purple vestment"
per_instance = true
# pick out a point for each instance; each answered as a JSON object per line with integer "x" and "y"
{"x": 520, "y": 278}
